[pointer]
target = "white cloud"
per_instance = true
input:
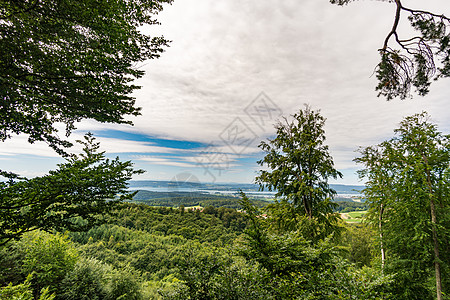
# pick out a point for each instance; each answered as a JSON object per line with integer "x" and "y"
{"x": 308, "y": 51}
{"x": 113, "y": 145}
{"x": 165, "y": 162}
{"x": 225, "y": 53}
{"x": 19, "y": 145}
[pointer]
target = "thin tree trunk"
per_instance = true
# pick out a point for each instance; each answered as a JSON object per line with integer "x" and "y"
{"x": 305, "y": 205}
{"x": 380, "y": 218}
{"x": 437, "y": 266}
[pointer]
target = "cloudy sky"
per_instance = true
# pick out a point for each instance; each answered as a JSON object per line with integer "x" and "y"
{"x": 233, "y": 68}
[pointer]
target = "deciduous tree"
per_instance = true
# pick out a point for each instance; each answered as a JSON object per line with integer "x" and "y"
{"x": 63, "y": 61}
{"x": 408, "y": 190}
{"x": 67, "y": 60}
{"x": 299, "y": 166}
{"x": 72, "y": 197}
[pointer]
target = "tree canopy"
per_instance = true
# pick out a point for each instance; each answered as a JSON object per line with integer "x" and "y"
{"x": 67, "y": 60}
{"x": 408, "y": 191}
{"x": 300, "y": 165}
{"x": 72, "y": 197}
{"x": 413, "y": 61}
{"x": 64, "y": 61}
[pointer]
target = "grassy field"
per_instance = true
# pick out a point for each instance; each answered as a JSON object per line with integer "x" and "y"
{"x": 193, "y": 207}
{"x": 353, "y": 216}
{"x": 357, "y": 214}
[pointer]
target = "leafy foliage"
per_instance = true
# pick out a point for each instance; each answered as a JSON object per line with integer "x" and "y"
{"x": 299, "y": 167}
{"x": 346, "y": 206}
{"x": 72, "y": 197}
{"x": 23, "y": 291}
{"x": 131, "y": 258}
{"x": 269, "y": 266}
{"x": 87, "y": 280}
{"x": 152, "y": 240}
{"x": 63, "y": 61}
{"x": 408, "y": 192}
{"x": 124, "y": 285}
{"x": 51, "y": 262}
{"x": 48, "y": 257}
{"x": 176, "y": 199}
{"x": 360, "y": 244}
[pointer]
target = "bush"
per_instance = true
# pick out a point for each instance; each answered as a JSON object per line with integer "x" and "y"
{"x": 23, "y": 291}
{"x": 50, "y": 257}
{"x": 124, "y": 285}
{"x": 87, "y": 281}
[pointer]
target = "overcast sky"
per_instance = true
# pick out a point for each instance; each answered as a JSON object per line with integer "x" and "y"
{"x": 233, "y": 68}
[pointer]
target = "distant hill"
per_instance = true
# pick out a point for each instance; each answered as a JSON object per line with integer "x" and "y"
{"x": 189, "y": 199}
{"x": 175, "y": 186}
{"x": 347, "y": 189}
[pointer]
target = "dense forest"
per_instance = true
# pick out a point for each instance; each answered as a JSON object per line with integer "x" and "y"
{"x": 78, "y": 232}
{"x": 144, "y": 252}
{"x": 189, "y": 199}
{"x": 176, "y": 199}
{"x": 295, "y": 246}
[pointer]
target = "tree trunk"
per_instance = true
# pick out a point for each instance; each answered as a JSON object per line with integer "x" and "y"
{"x": 437, "y": 266}
{"x": 305, "y": 205}
{"x": 380, "y": 218}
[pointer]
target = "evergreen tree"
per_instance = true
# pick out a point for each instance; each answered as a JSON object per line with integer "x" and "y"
{"x": 416, "y": 60}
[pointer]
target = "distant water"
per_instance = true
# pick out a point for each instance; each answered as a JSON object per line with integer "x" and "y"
{"x": 198, "y": 190}
{"x": 343, "y": 191}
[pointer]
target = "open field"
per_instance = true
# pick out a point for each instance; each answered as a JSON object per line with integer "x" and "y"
{"x": 353, "y": 216}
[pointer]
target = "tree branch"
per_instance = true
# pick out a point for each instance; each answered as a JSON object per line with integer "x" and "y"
{"x": 23, "y": 11}
{"x": 394, "y": 27}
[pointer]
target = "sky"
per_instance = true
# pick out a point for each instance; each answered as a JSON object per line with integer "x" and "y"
{"x": 233, "y": 69}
